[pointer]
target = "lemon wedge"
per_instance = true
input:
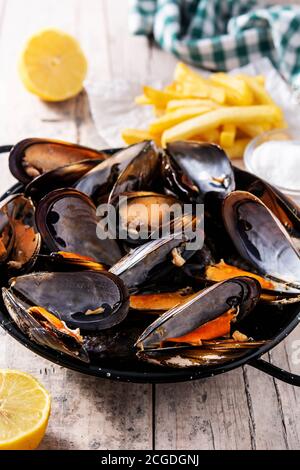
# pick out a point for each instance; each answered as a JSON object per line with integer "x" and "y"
{"x": 53, "y": 66}
{"x": 24, "y": 411}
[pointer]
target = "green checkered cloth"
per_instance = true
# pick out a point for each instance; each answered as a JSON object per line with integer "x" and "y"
{"x": 222, "y": 34}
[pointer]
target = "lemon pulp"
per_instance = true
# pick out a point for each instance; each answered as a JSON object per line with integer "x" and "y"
{"x": 24, "y": 411}
{"x": 52, "y": 65}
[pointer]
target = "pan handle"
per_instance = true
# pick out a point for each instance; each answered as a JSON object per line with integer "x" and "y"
{"x": 5, "y": 148}
{"x": 277, "y": 372}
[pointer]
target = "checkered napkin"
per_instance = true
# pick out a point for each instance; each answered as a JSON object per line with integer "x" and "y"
{"x": 222, "y": 34}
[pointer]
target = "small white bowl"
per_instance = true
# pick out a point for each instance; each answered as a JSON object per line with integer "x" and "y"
{"x": 276, "y": 134}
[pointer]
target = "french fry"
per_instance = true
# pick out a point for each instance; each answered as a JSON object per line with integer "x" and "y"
{"x": 238, "y": 93}
{"x": 252, "y": 130}
{"x": 133, "y": 136}
{"x": 143, "y": 100}
{"x": 194, "y": 85}
{"x": 159, "y": 98}
{"x": 190, "y": 102}
{"x": 182, "y": 73}
{"x": 280, "y": 124}
{"x": 172, "y": 87}
{"x": 227, "y": 135}
{"x": 217, "y": 94}
{"x": 212, "y": 136}
{"x": 179, "y": 115}
{"x": 237, "y": 149}
{"x": 260, "y": 94}
{"x": 213, "y": 119}
{"x": 267, "y": 126}
{"x": 192, "y": 89}
{"x": 158, "y": 111}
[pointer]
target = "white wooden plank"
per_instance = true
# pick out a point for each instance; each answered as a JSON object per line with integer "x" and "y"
{"x": 287, "y": 356}
{"x": 162, "y": 64}
{"x": 2, "y": 7}
{"x": 207, "y": 414}
{"x": 129, "y": 55}
{"x": 268, "y": 427}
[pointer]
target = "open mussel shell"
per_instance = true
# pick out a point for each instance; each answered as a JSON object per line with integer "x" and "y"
{"x": 88, "y": 300}
{"x": 43, "y": 328}
{"x": 281, "y": 205}
{"x": 62, "y": 177}
{"x": 20, "y": 242}
{"x": 279, "y": 299}
{"x": 240, "y": 294}
{"x": 210, "y": 353}
{"x": 100, "y": 180}
{"x": 65, "y": 261}
{"x": 158, "y": 256}
{"x": 176, "y": 182}
{"x": 140, "y": 174}
{"x": 143, "y": 262}
{"x": 261, "y": 239}
{"x": 186, "y": 358}
{"x": 33, "y": 157}
{"x": 67, "y": 221}
{"x": 198, "y": 169}
{"x": 142, "y": 213}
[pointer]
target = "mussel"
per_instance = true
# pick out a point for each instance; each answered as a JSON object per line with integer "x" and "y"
{"x": 61, "y": 177}
{"x": 143, "y": 213}
{"x": 261, "y": 239}
{"x": 67, "y": 221}
{"x": 206, "y": 355}
{"x": 19, "y": 240}
{"x": 44, "y": 328}
{"x": 32, "y": 157}
{"x": 160, "y": 254}
{"x": 143, "y": 262}
{"x": 281, "y": 205}
{"x": 65, "y": 260}
{"x": 140, "y": 174}
{"x": 207, "y": 315}
{"x": 88, "y": 300}
{"x": 193, "y": 169}
{"x": 100, "y": 180}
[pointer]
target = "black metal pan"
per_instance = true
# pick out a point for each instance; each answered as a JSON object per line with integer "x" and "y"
{"x": 145, "y": 373}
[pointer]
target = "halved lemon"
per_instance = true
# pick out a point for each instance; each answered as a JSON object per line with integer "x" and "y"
{"x": 24, "y": 411}
{"x": 53, "y": 66}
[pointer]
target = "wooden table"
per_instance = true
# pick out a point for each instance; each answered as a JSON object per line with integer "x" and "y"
{"x": 243, "y": 409}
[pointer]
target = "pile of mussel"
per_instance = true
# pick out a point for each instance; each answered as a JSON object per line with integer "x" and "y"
{"x": 135, "y": 297}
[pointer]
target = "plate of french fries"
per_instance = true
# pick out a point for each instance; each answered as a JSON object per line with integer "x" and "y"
{"x": 229, "y": 110}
